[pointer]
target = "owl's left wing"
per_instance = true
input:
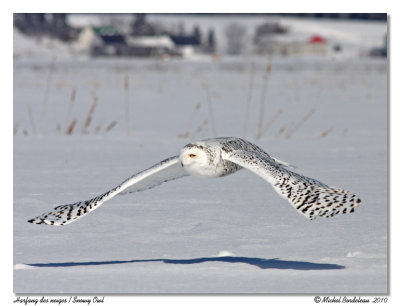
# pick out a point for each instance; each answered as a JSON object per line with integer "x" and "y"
{"x": 310, "y": 197}
{"x": 168, "y": 169}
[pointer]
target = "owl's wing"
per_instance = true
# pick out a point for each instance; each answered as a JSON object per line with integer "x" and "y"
{"x": 310, "y": 197}
{"x": 166, "y": 170}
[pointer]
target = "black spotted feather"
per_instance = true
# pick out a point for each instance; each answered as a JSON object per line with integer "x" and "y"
{"x": 310, "y": 197}
{"x": 168, "y": 169}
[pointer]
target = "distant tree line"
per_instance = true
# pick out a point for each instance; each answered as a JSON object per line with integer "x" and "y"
{"x": 49, "y": 24}
{"x": 365, "y": 16}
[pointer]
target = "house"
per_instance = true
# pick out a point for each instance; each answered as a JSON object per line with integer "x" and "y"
{"x": 112, "y": 43}
{"x": 286, "y": 45}
{"x": 316, "y": 44}
{"x": 107, "y": 42}
{"x": 186, "y": 45}
{"x": 380, "y": 51}
{"x": 156, "y": 45}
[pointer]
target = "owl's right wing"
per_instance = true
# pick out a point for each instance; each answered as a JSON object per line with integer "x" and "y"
{"x": 166, "y": 170}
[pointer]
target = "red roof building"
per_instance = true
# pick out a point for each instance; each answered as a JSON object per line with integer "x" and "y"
{"x": 316, "y": 39}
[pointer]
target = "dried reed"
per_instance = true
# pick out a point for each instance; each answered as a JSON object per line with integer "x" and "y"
{"x": 281, "y": 130}
{"x": 71, "y": 103}
{"x": 90, "y": 114}
{"x": 262, "y": 102}
{"x": 325, "y": 133}
{"x": 300, "y": 123}
{"x": 248, "y": 101}
{"x": 191, "y": 120}
{"x": 127, "y": 112}
{"x": 97, "y": 129}
{"x": 111, "y": 126}
{"x": 272, "y": 120}
{"x": 16, "y": 126}
{"x": 210, "y": 108}
{"x": 46, "y": 96}
{"x": 30, "y": 114}
{"x": 71, "y": 127}
{"x": 202, "y": 126}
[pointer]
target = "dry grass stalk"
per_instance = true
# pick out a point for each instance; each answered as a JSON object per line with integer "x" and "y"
{"x": 263, "y": 101}
{"x": 191, "y": 120}
{"x": 273, "y": 119}
{"x": 210, "y": 109}
{"x": 127, "y": 112}
{"x": 300, "y": 123}
{"x": 202, "y": 126}
{"x": 97, "y": 129}
{"x": 248, "y": 102}
{"x": 111, "y": 126}
{"x": 192, "y": 117}
{"x": 30, "y": 114}
{"x": 184, "y": 135}
{"x": 71, "y": 102}
{"x": 325, "y": 133}
{"x": 71, "y": 127}
{"x": 46, "y": 96}
{"x": 16, "y": 126}
{"x": 90, "y": 114}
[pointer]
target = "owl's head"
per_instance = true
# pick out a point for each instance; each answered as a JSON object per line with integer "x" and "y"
{"x": 196, "y": 160}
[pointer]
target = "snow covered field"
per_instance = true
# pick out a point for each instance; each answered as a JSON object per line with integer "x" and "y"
{"x": 230, "y": 235}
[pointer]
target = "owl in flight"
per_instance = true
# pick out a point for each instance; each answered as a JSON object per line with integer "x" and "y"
{"x": 217, "y": 157}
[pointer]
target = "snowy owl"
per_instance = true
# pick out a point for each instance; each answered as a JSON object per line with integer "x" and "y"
{"x": 217, "y": 157}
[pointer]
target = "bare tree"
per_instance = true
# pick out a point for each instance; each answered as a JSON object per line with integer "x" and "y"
{"x": 211, "y": 42}
{"x": 235, "y": 38}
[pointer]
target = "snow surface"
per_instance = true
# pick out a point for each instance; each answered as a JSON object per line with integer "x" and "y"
{"x": 328, "y": 117}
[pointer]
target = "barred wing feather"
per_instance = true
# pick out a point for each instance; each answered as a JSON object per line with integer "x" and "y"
{"x": 310, "y": 197}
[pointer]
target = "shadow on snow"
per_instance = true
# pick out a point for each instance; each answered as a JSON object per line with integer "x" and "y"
{"x": 258, "y": 262}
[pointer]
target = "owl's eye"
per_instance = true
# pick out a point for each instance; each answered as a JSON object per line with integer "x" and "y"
{"x": 192, "y": 155}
